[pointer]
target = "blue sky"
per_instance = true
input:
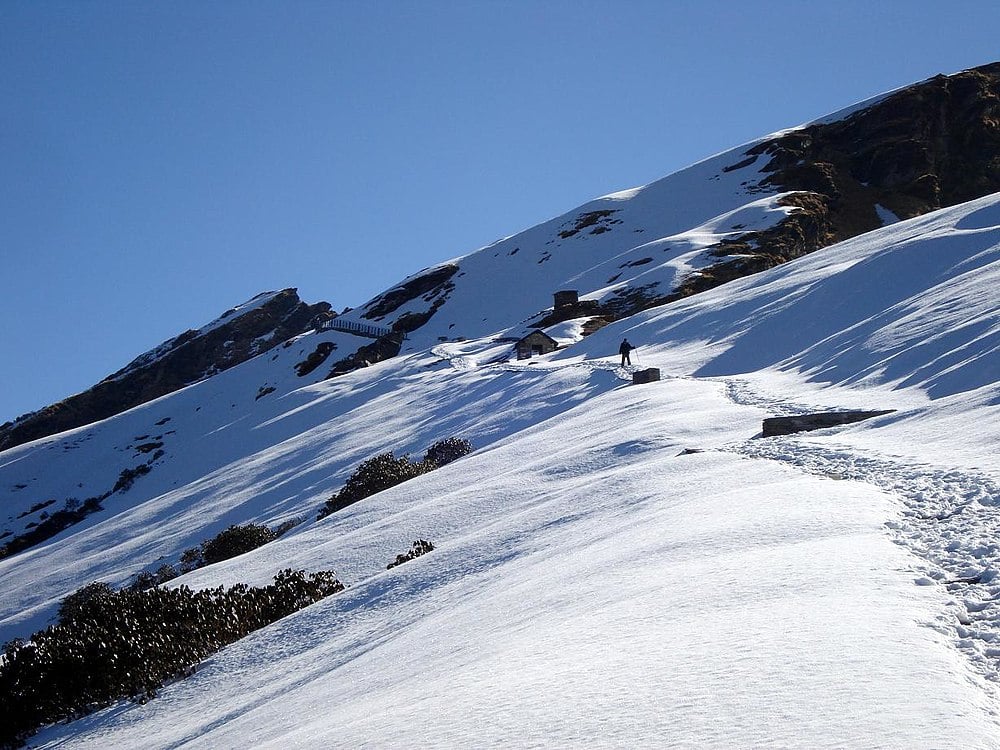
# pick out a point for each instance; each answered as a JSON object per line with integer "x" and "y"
{"x": 161, "y": 162}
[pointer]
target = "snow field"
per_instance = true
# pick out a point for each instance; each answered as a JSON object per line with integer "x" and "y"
{"x": 591, "y": 585}
{"x": 609, "y": 592}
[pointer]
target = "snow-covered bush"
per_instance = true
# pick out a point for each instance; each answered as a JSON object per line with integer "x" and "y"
{"x": 387, "y": 470}
{"x": 86, "y": 603}
{"x": 229, "y": 543}
{"x": 420, "y": 547}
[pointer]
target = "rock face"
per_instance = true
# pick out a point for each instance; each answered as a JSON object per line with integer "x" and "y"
{"x": 433, "y": 285}
{"x": 930, "y": 145}
{"x": 234, "y": 338}
{"x": 383, "y": 348}
{"x": 925, "y": 147}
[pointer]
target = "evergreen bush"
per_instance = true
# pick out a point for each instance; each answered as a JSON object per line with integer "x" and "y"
{"x": 420, "y": 547}
{"x": 386, "y": 470}
{"x": 374, "y": 475}
{"x": 447, "y": 450}
{"x": 235, "y": 541}
{"x": 112, "y": 645}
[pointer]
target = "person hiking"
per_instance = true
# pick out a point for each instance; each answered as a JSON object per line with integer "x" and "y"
{"x": 624, "y": 350}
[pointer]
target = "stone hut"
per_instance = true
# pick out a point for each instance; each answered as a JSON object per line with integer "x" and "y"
{"x": 535, "y": 343}
{"x": 565, "y": 298}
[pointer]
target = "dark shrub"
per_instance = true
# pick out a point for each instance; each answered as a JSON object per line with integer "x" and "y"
{"x": 142, "y": 581}
{"x": 166, "y": 572}
{"x": 420, "y": 547}
{"x": 191, "y": 559}
{"x": 284, "y": 527}
{"x": 447, "y": 450}
{"x": 235, "y": 541}
{"x": 374, "y": 475}
{"x": 86, "y": 603}
{"x": 52, "y": 525}
{"x": 128, "y": 476}
{"x": 112, "y": 645}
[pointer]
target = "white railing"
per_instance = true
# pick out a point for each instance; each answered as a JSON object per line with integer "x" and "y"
{"x": 358, "y": 329}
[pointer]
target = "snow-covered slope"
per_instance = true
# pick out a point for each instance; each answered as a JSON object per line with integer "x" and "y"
{"x": 652, "y": 237}
{"x": 241, "y": 333}
{"x": 616, "y": 565}
{"x": 898, "y": 155}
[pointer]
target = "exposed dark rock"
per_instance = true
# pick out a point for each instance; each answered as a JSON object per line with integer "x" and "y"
{"x": 597, "y": 219}
{"x": 931, "y": 145}
{"x": 381, "y": 349}
{"x": 774, "y": 426}
{"x": 925, "y": 147}
{"x": 649, "y": 375}
{"x": 177, "y": 363}
{"x": 434, "y": 281}
{"x": 315, "y": 359}
{"x": 629, "y": 300}
{"x": 569, "y": 311}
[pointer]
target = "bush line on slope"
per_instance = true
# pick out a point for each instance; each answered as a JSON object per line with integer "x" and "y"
{"x": 112, "y": 645}
{"x": 387, "y": 470}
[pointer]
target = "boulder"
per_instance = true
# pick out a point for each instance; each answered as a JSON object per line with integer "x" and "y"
{"x": 774, "y": 426}
{"x": 648, "y": 375}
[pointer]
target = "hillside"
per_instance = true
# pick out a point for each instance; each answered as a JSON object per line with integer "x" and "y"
{"x": 614, "y": 565}
{"x": 923, "y": 147}
{"x": 239, "y": 334}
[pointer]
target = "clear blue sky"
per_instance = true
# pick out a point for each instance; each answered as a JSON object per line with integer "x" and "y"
{"x": 163, "y": 161}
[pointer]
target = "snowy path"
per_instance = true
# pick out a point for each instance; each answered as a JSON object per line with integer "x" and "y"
{"x": 949, "y": 518}
{"x": 466, "y": 362}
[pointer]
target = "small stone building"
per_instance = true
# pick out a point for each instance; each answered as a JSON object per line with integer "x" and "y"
{"x": 565, "y": 298}
{"x": 535, "y": 343}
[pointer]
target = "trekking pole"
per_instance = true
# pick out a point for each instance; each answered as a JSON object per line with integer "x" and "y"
{"x": 636, "y": 350}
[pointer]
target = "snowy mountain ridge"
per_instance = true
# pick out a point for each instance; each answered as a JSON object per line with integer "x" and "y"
{"x": 615, "y": 564}
{"x": 239, "y": 334}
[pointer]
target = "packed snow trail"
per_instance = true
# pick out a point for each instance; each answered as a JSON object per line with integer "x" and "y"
{"x": 949, "y": 519}
{"x": 466, "y": 362}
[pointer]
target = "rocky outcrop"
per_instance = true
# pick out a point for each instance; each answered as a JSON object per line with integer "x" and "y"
{"x": 928, "y": 146}
{"x": 181, "y": 361}
{"x": 925, "y": 147}
{"x": 383, "y": 348}
{"x": 434, "y": 285}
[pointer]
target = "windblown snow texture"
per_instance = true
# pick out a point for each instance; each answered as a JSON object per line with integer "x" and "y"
{"x": 614, "y": 565}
